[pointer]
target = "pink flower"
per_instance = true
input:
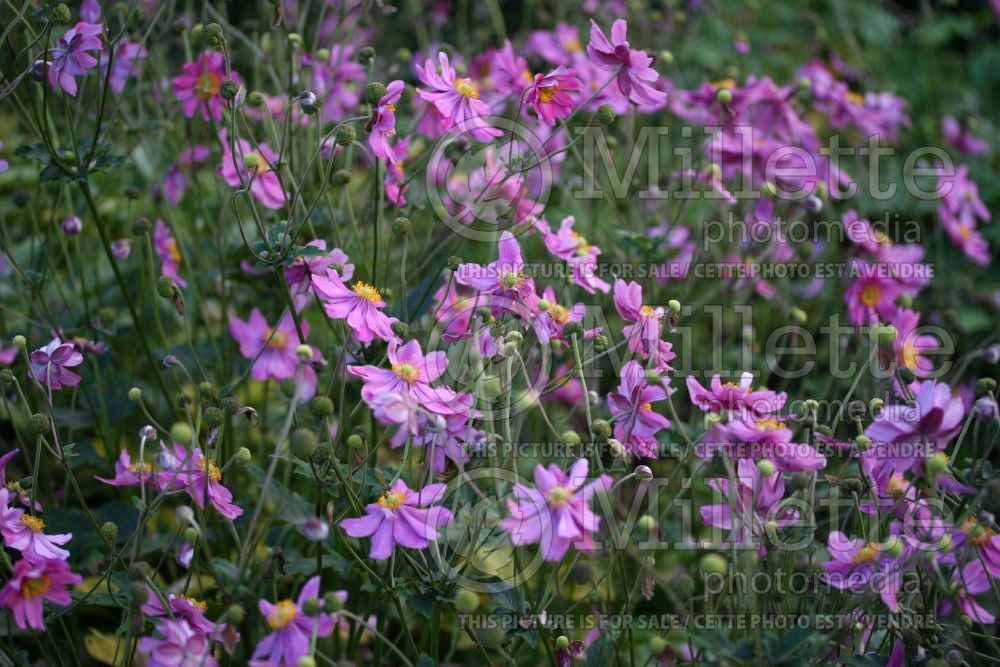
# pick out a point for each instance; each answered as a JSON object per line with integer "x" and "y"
{"x": 264, "y": 183}
{"x": 909, "y": 343}
{"x": 382, "y": 125}
{"x": 960, "y": 210}
{"x": 636, "y": 423}
{"x": 555, "y": 511}
{"x": 70, "y": 57}
{"x": 291, "y": 629}
{"x": 179, "y": 606}
{"x": 958, "y": 135}
{"x": 635, "y": 76}
{"x": 125, "y": 64}
{"x": 272, "y": 350}
{"x": 567, "y": 244}
{"x": 361, "y": 305}
{"x": 646, "y": 324}
{"x": 24, "y": 532}
{"x": 935, "y": 419}
{"x": 198, "y": 476}
{"x": 128, "y": 473}
{"x": 456, "y": 99}
{"x": 182, "y": 645}
{"x": 549, "y": 94}
{"x": 401, "y": 516}
{"x": 198, "y": 87}
{"x": 176, "y": 179}
{"x": 854, "y": 563}
{"x": 732, "y": 397}
{"x": 410, "y": 375}
{"x": 166, "y": 247}
{"x": 872, "y": 295}
{"x": 33, "y": 582}
{"x": 50, "y": 365}
{"x": 338, "y": 81}
{"x": 969, "y": 581}
{"x": 504, "y": 277}
{"x": 13, "y": 487}
{"x": 763, "y": 437}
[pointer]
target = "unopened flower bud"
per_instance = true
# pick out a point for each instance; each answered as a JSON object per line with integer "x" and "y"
{"x": 863, "y": 442}
{"x": 355, "y": 441}
{"x": 675, "y": 306}
{"x": 346, "y": 136}
{"x": 109, "y": 529}
{"x": 562, "y": 642}
{"x": 235, "y": 614}
{"x": 251, "y": 161}
{"x": 643, "y": 472}
{"x": 229, "y": 89}
{"x": 321, "y": 407}
{"x": 311, "y": 606}
{"x": 366, "y": 55}
{"x": 39, "y": 423}
{"x": 766, "y": 467}
{"x": 147, "y": 432}
{"x": 213, "y": 35}
{"x": 304, "y": 352}
{"x": 991, "y": 354}
{"x": 6, "y": 377}
{"x": 243, "y": 456}
{"x": 256, "y": 99}
{"x": 985, "y": 386}
{"x": 374, "y": 91}
{"x": 322, "y": 55}
{"x": 139, "y": 592}
{"x": 308, "y": 102}
{"x": 72, "y": 225}
{"x": 401, "y": 226}
{"x": 135, "y": 394}
{"x": 307, "y": 661}
{"x": 605, "y": 114}
{"x": 181, "y": 432}
{"x": 213, "y": 417}
{"x": 602, "y": 428}
{"x": 600, "y": 343}
{"x": 165, "y": 287}
{"x": 304, "y": 441}
{"x": 724, "y": 96}
{"x": 713, "y": 564}
{"x": 571, "y": 437}
{"x": 985, "y": 408}
{"x": 333, "y": 603}
{"x": 453, "y": 263}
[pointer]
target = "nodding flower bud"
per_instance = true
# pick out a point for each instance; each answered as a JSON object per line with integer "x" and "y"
{"x": 229, "y": 89}
{"x": 813, "y": 204}
{"x": 799, "y": 315}
{"x": 466, "y": 601}
{"x": 401, "y": 329}
{"x": 355, "y": 441}
{"x": 60, "y": 14}
{"x": 374, "y": 91}
{"x": 985, "y": 408}
{"x": 766, "y": 467}
{"x": 322, "y": 55}
{"x": 243, "y": 456}
{"x": 571, "y": 437}
{"x": 109, "y": 529}
{"x": 333, "y": 602}
{"x": 600, "y": 343}
{"x": 138, "y": 570}
{"x": 573, "y": 329}
{"x": 884, "y": 334}
{"x": 308, "y": 102}
{"x": 213, "y": 417}
{"x": 724, "y": 96}
{"x": 170, "y": 361}
{"x": 713, "y": 564}
{"x": 235, "y": 614}
{"x": 602, "y": 428}
{"x": 135, "y": 394}
{"x": 139, "y": 592}
{"x": 340, "y": 177}
{"x": 644, "y": 472}
{"x": 191, "y": 534}
{"x": 311, "y": 606}
{"x": 991, "y": 354}
{"x": 165, "y": 287}
{"x": 675, "y": 306}
{"x": 39, "y": 423}
{"x": 366, "y": 55}
{"x": 251, "y": 161}
{"x": 983, "y": 386}
{"x": 304, "y": 442}
{"x": 667, "y": 57}
{"x": 863, "y": 442}
{"x": 213, "y": 35}
{"x": 875, "y": 406}
{"x": 295, "y": 39}
{"x": 72, "y": 225}
{"x": 306, "y": 661}
{"x": 6, "y": 377}
{"x": 256, "y": 99}
{"x": 346, "y": 136}
{"x": 321, "y": 407}
{"x": 181, "y": 432}
{"x": 562, "y": 642}
{"x": 141, "y": 226}
{"x": 605, "y": 114}
{"x": 147, "y": 432}
{"x": 401, "y": 226}
{"x": 315, "y": 529}
{"x": 304, "y": 352}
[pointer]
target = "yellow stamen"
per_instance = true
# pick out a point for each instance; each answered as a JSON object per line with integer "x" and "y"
{"x": 392, "y": 500}
{"x": 34, "y": 588}
{"x": 408, "y": 372}
{"x": 871, "y": 295}
{"x": 467, "y": 88}
{"x": 207, "y": 86}
{"x": 559, "y": 496}
{"x": 208, "y": 467}
{"x": 33, "y": 523}
{"x": 282, "y": 614}
{"x": 367, "y": 292}
{"x": 547, "y": 93}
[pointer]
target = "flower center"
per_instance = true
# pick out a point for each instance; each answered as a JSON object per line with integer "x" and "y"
{"x": 407, "y": 371}
{"x": 559, "y": 496}
{"x": 646, "y": 406}
{"x": 467, "y": 89}
{"x": 392, "y": 500}
{"x": 277, "y": 339}
{"x": 769, "y": 424}
{"x": 977, "y": 533}
{"x": 367, "y": 292}
{"x": 510, "y": 280}
{"x": 194, "y": 602}
{"x": 559, "y": 313}
{"x": 582, "y": 247}
{"x": 867, "y": 554}
{"x": 34, "y": 588}
{"x": 33, "y": 523}
{"x": 965, "y": 232}
{"x": 207, "y": 86}
{"x": 140, "y": 468}
{"x": 173, "y": 250}
{"x": 282, "y": 614}
{"x": 910, "y": 356}
{"x": 547, "y": 93}
{"x": 647, "y": 311}
{"x": 262, "y": 165}
{"x": 871, "y": 295}
{"x": 208, "y": 467}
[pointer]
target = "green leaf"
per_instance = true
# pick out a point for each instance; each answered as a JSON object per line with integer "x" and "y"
{"x": 290, "y": 506}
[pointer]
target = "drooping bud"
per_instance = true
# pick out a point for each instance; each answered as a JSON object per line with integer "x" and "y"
{"x": 374, "y": 91}
{"x": 605, "y": 114}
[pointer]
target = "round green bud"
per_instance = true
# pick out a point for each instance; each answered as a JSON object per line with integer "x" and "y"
{"x": 191, "y": 534}
{"x": 256, "y": 99}
{"x": 894, "y": 547}
{"x": 181, "y": 432}
{"x": 39, "y": 423}
{"x": 295, "y": 39}
{"x": 165, "y": 287}
{"x": 544, "y": 305}
{"x": 937, "y": 464}
{"x": 799, "y": 315}
{"x": 466, "y": 601}
{"x": 852, "y": 485}
{"x": 401, "y": 329}
{"x": 251, "y": 161}
{"x": 229, "y": 89}
{"x": 109, "y": 529}
{"x": 213, "y": 417}
{"x": 206, "y": 390}
{"x": 107, "y": 317}
{"x": 243, "y": 456}
{"x": 332, "y": 603}
{"x": 985, "y": 386}
{"x": 303, "y": 442}
{"x": 562, "y": 642}
{"x": 453, "y": 262}
{"x": 605, "y": 114}
{"x": 646, "y": 523}
{"x": 769, "y": 189}
{"x": 213, "y": 35}
{"x": 954, "y": 658}
{"x": 139, "y": 592}
{"x": 374, "y": 91}
{"x": 681, "y": 586}
{"x": 724, "y": 96}
{"x": 304, "y": 352}
{"x": 307, "y": 661}
{"x": 766, "y": 467}
{"x": 138, "y": 570}
{"x": 875, "y": 405}
{"x": 235, "y": 614}
{"x": 713, "y": 564}
{"x": 600, "y": 343}
{"x": 602, "y": 428}
{"x": 658, "y": 644}
{"x": 573, "y": 329}
{"x": 571, "y": 437}
{"x": 366, "y": 55}
{"x": 401, "y": 226}
{"x": 667, "y": 57}
{"x": 311, "y": 606}
{"x": 321, "y": 407}
{"x": 61, "y": 14}
{"x": 355, "y": 441}
{"x": 322, "y": 55}
{"x": 863, "y": 442}
{"x": 905, "y": 300}
{"x": 675, "y": 306}
{"x": 525, "y": 400}
{"x": 346, "y": 136}
{"x": 141, "y": 226}
{"x": 6, "y": 377}
{"x": 884, "y": 334}
{"x": 135, "y": 394}
{"x": 404, "y": 55}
